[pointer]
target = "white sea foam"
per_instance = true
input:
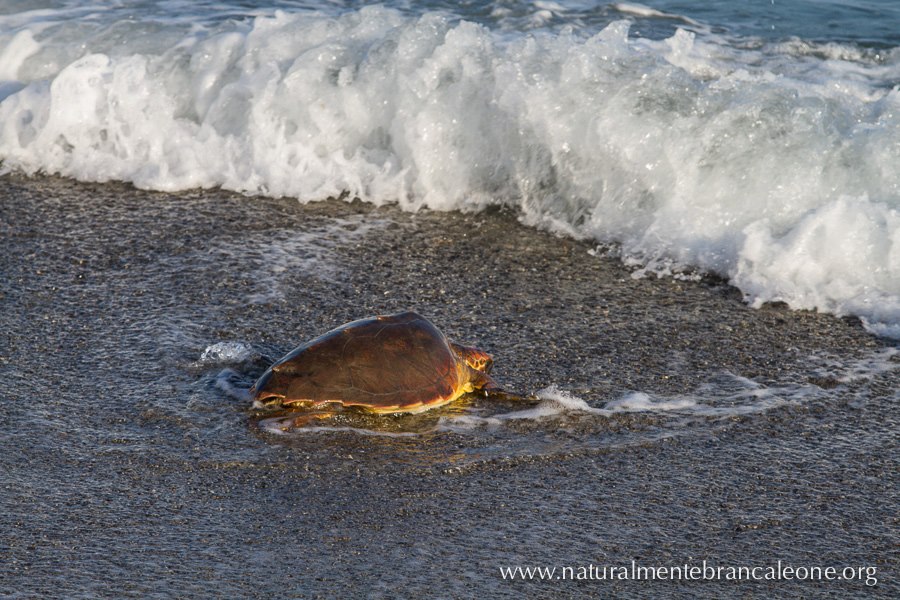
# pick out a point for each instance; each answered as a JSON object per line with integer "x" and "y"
{"x": 633, "y": 8}
{"x": 725, "y": 395}
{"x": 226, "y": 353}
{"x": 283, "y": 426}
{"x": 556, "y": 401}
{"x": 773, "y": 165}
{"x": 863, "y": 369}
{"x": 640, "y": 401}
{"x": 553, "y": 402}
{"x": 710, "y": 401}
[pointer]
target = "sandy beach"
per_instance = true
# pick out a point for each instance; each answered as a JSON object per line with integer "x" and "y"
{"x": 132, "y": 466}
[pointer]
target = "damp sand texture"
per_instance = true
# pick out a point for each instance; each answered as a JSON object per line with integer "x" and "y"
{"x": 687, "y": 426}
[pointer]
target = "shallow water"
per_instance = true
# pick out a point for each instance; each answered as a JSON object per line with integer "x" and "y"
{"x": 675, "y": 424}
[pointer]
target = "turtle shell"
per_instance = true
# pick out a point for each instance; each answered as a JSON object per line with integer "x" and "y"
{"x": 385, "y": 364}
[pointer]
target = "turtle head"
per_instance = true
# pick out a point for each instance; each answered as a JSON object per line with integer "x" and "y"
{"x": 475, "y": 358}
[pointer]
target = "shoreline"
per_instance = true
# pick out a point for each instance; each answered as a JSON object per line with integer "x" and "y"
{"x": 149, "y": 477}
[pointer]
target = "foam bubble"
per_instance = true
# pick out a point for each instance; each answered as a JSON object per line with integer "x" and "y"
{"x": 555, "y": 400}
{"x": 226, "y": 353}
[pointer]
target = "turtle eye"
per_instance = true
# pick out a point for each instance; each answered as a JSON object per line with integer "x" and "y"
{"x": 480, "y": 363}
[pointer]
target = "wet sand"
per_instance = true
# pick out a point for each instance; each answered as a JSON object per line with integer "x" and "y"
{"x": 129, "y": 470}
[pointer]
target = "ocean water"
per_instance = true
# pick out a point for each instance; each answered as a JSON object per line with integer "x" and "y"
{"x": 757, "y": 141}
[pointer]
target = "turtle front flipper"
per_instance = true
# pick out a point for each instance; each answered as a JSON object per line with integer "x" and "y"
{"x": 484, "y": 385}
{"x": 483, "y": 382}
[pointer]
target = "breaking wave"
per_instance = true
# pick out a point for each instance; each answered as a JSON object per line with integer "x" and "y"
{"x": 772, "y": 164}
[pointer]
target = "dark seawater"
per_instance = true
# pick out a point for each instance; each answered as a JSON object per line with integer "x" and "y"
{"x": 864, "y": 22}
{"x": 682, "y": 426}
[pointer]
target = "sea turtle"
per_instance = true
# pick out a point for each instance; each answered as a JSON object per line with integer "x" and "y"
{"x": 397, "y": 363}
